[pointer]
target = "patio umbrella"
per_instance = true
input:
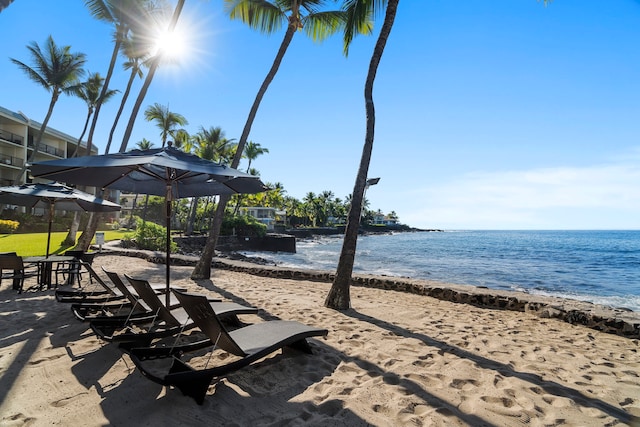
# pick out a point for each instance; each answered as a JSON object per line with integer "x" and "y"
{"x": 164, "y": 172}
{"x": 54, "y": 196}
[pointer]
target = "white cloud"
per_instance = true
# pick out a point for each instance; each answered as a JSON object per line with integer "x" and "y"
{"x": 603, "y": 196}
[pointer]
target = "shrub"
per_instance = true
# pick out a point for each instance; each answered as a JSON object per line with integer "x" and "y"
{"x": 149, "y": 236}
{"x": 7, "y": 226}
{"x": 244, "y": 226}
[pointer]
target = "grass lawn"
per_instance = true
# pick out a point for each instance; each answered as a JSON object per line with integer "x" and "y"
{"x": 35, "y": 244}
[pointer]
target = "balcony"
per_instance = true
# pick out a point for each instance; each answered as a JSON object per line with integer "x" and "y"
{"x": 11, "y": 137}
{"x": 48, "y": 149}
{"x": 11, "y": 160}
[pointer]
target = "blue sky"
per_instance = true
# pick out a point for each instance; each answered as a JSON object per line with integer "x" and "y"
{"x": 489, "y": 115}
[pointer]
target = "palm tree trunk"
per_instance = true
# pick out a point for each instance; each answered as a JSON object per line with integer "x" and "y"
{"x": 202, "y": 269}
{"x": 192, "y": 216}
{"x": 339, "y": 294}
{"x": 70, "y": 239}
{"x": 92, "y": 226}
{"x": 147, "y": 82}
{"x": 36, "y": 146}
{"x": 105, "y": 88}
{"x": 125, "y": 96}
{"x": 84, "y": 130}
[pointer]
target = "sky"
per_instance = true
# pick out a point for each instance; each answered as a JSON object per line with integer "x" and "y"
{"x": 503, "y": 114}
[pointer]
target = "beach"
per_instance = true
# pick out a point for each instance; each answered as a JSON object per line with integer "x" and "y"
{"x": 395, "y": 358}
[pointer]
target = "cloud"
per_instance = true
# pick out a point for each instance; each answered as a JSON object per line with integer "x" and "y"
{"x": 603, "y": 196}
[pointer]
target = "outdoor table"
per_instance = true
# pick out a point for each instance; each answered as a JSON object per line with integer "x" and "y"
{"x": 45, "y": 267}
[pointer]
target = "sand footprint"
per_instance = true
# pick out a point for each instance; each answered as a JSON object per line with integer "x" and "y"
{"x": 463, "y": 384}
{"x": 64, "y": 402}
{"x": 45, "y": 359}
{"x": 18, "y": 420}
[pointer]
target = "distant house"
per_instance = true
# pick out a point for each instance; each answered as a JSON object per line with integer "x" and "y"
{"x": 268, "y": 216}
{"x": 381, "y": 219}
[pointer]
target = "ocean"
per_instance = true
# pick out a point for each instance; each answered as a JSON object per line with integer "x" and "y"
{"x": 602, "y": 267}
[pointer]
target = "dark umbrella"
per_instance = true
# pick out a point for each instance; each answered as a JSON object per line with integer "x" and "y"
{"x": 164, "y": 172}
{"x": 54, "y": 196}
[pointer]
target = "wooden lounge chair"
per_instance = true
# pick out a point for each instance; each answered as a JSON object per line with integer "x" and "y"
{"x": 249, "y": 343}
{"x": 159, "y": 321}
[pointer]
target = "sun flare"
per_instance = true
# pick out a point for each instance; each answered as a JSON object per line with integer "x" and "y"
{"x": 172, "y": 45}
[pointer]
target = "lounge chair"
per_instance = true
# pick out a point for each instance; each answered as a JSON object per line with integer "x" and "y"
{"x": 160, "y": 321}
{"x": 250, "y": 343}
{"x": 89, "y": 310}
{"x": 102, "y": 293}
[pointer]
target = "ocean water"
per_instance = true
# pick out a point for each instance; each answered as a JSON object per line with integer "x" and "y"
{"x": 602, "y": 267}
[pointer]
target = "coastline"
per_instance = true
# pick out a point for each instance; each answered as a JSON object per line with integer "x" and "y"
{"x": 618, "y": 321}
{"x": 396, "y": 358}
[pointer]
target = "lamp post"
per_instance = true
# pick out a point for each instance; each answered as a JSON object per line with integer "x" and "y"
{"x": 370, "y": 182}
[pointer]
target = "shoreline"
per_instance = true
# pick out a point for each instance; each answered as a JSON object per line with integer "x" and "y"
{"x": 618, "y": 321}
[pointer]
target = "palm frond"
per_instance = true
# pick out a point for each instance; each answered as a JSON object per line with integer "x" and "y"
{"x": 260, "y": 15}
{"x": 320, "y": 26}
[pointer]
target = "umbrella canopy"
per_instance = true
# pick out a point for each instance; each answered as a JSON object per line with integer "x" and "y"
{"x": 164, "y": 172}
{"x": 54, "y": 196}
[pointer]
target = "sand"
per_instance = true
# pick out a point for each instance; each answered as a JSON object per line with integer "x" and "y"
{"x": 395, "y": 359}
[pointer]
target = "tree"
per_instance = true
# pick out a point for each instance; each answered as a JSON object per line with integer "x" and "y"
{"x": 268, "y": 17}
{"x": 125, "y": 15}
{"x": 58, "y": 71}
{"x": 251, "y": 152}
{"x": 359, "y": 11}
{"x": 89, "y": 92}
{"x": 210, "y": 144}
{"x": 154, "y": 62}
{"x": 165, "y": 120}
{"x": 136, "y": 56}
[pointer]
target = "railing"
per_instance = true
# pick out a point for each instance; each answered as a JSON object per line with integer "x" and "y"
{"x": 48, "y": 149}
{"x": 11, "y": 160}
{"x": 11, "y": 137}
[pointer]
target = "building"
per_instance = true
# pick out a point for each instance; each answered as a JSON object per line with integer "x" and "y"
{"x": 268, "y": 216}
{"x": 18, "y": 134}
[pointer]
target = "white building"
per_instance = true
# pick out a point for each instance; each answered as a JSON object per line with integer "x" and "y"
{"x": 18, "y": 134}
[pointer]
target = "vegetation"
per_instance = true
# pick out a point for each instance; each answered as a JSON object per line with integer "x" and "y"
{"x": 8, "y": 226}
{"x": 34, "y": 244}
{"x": 149, "y": 236}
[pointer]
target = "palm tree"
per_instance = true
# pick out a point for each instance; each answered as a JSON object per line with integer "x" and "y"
{"x": 125, "y": 16}
{"x": 58, "y": 71}
{"x": 251, "y": 152}
{"x": 359, "y": 11}
{"x": 136, "y": 56}
{"x": 210, "y": 144}
{"x": 154, "y": 62}
{"x": 165, "y": 120}
{"x": 268, "y": 17}
{"x": 89, "y": 92}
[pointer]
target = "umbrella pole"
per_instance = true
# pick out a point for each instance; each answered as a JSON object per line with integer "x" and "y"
{"x": 168, "y": 246}
{"x": 49, "y": 232}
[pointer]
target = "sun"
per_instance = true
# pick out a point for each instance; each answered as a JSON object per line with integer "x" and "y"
{"x": 172, "y": 45}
